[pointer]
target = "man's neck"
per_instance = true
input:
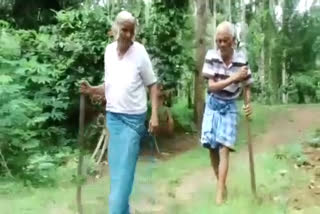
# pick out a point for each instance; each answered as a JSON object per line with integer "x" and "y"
{"x": 227, "y": 59}
{"x": 123, "y": 47}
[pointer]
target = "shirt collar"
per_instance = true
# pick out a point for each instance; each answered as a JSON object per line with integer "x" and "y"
{"x": 232, "y": 58}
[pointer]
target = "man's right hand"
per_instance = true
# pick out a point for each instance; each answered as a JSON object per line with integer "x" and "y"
{"x": 85, "y": 88}
{"x": 240, "y": 75}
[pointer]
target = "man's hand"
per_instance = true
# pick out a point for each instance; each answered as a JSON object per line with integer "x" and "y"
{"x": 240, "y": 75}
{"x": 97, "y": 99}
{"x": 247, "y": 110}
{"x": 153, "y": 124}
{"x": 85, "y": 88}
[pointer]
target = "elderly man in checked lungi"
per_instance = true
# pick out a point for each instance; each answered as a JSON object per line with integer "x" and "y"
{"x": 227, "y": 72}
{"x": 128, "y": 71}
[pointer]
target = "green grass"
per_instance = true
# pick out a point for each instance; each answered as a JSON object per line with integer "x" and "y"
{"x": 148, "y": 176}
{"x": 276, "y": 177}
{"x": 197, "y": 158}
{"x": 261, "y": 117}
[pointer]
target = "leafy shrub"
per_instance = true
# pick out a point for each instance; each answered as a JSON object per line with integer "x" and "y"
{"x": 182, "y": 115}
{"x": 305, "y": 87}
{"x": 39, "y": 72}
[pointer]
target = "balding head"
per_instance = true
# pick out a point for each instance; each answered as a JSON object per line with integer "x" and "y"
{"x": 226, "y": 28}
{"x": 225, "y": 39}
{"x": 123, "y": 18}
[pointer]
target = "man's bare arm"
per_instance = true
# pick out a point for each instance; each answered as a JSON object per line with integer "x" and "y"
{"x": 217, "y": 86}
{"x": 87, "y": 89}
{"x": 236, "y": 77}
{"x": 154, "y": 99}
{"x": 154, "y": 123}
{"x": 247, "y": 94}
{"x": 98, "y": 90}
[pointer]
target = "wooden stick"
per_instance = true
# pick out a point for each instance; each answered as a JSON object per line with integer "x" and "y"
{"x": 250, "y": 150}
{"x": 105, "y": 144}
{"x": 156, "y": 144}
{"x": 80, "y": 163}
{"x": 99, "y": 143}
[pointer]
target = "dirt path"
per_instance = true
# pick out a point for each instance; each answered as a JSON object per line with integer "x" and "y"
{"x": 284, "y": 129}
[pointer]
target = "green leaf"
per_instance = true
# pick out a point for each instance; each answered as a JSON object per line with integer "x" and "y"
{"x": 40, "y": 119}
{"x": 31, "y": 144}
{"x": 4, "y": 79}
{"x": 40, "y": 79}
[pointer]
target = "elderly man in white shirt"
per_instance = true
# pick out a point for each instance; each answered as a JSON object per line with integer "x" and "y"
{"x": 128, "y": 71}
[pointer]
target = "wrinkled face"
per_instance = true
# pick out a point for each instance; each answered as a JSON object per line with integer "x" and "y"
{"x": 126, "y": 32}
{"x": 225, "y": 43}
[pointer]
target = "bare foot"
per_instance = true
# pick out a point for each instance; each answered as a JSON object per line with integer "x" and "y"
{"x": 219, "y": 201}
{"x": 221, "y": 196}
{"x": 225, "y": 194}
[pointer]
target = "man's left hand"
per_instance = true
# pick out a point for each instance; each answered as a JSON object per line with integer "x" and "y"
{"x": 153, "y": 124}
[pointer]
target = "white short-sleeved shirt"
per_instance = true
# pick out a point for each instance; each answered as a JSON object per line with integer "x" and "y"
{"x": 215, "y": 68}
{"x": 125, "y": 79}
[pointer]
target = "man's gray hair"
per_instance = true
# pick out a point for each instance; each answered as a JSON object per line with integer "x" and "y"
{"x": 226, "y": 27}
{"x": 123, "y": 16}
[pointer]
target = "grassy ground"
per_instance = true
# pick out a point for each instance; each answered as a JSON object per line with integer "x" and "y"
{"x": 277, "y": 177}
{"x": 151, "y": 175}
{"x": 271, "y": 185}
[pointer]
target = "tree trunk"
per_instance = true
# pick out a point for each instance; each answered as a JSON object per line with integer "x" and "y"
{"x": 267, "y": 50}
{"x": 243, "y": 11}
{"x": 252, "y": 6}
{"x": 244, "y": 28}
{"x": 266, "y": 42}
{"x": 284, "y": 79}
{"x": 285, "y": 33}
{"x": 261, "y": 67}
{"x": 229, "y": 17}
{"x": 189, "y": 96}
{"x": 201, "y": 23}
{"x": 214, "y": 23}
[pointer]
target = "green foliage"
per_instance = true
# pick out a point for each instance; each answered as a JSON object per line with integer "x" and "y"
{"x": 293, "y": 44}
{"x": 39, "y": 72}
{"x": 315, "y": 139}
{"x": 34, "y": 13}
{"x": 293, "y": 152}
{"x": 304, "y": 87}
{"x": 167, "y": 36}
{"x": 261, "y": 91}
{"x": 26, "y": 103}
{"x": 182, "y": 115}
{"x": 255, "y": 40}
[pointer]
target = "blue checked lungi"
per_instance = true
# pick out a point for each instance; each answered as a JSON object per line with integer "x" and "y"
{"x": 126, "y": 132}
{"x": 219, "y": 125}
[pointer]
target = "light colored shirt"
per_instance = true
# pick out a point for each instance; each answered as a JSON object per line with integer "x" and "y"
{"x": 126, "y": 79}
{"x": 215, "y": 68}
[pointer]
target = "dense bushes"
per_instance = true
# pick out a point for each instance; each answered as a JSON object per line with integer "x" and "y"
{"x": 39, "y": 92}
